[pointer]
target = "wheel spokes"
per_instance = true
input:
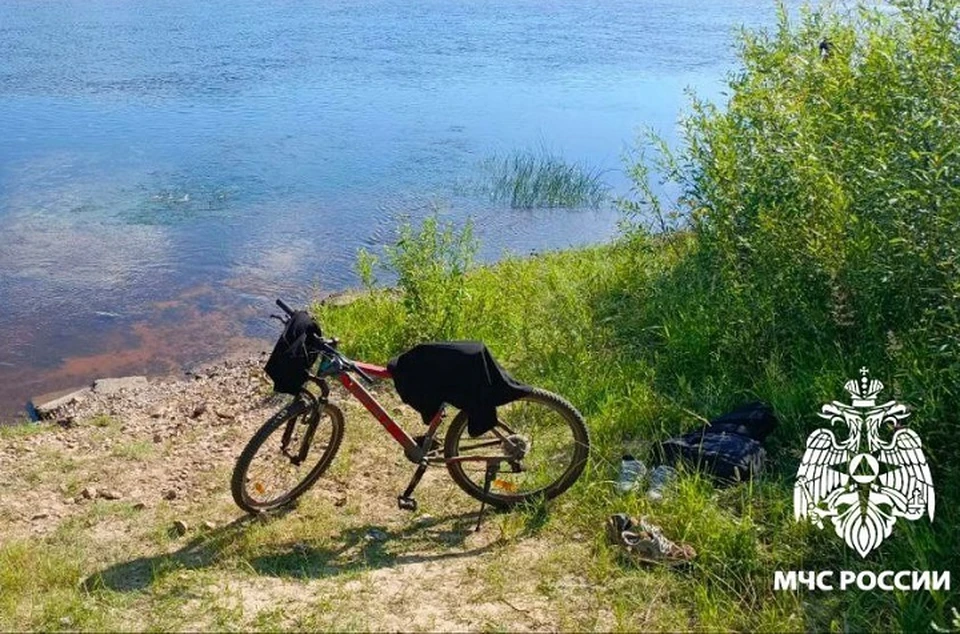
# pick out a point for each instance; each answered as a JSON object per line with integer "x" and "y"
{"x": 548, "y": 447}
{"x": 272, "y": 472}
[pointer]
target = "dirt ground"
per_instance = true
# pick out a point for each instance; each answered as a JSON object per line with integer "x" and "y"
{"x": 132, "y": 487}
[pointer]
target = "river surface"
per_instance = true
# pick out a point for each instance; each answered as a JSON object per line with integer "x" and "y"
{"x": 167, "y": 168}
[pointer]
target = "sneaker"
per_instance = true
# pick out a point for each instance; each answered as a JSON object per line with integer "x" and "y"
{"x": 645, "y": 542}
{"x": 660, "y": 480}
{"x": 632, "y": 472}
{"x": 616, "y": 526}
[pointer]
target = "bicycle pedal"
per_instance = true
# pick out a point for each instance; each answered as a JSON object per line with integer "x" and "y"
{"x": 406, "y": 504}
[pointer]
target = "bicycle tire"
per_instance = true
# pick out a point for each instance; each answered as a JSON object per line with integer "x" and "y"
{"x": 292, "y": 411}
{"x": 578, "y": 461}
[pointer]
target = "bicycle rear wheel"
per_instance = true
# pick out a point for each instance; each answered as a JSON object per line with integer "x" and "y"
{"x": 544, "y": 431}
{"x": 286, "y": 456}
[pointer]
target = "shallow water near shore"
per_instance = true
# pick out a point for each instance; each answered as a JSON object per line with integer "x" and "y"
{"x": 167, "y": 170}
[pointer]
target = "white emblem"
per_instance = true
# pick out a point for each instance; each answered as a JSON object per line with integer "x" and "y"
{"x": 863, "y": 483}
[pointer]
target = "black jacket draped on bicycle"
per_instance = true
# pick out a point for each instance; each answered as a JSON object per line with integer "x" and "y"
{"x": 461, "y": 373}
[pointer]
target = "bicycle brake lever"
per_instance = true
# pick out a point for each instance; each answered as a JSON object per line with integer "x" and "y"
{"x": 279, "y": 318}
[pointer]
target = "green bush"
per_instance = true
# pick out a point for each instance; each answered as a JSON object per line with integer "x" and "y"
{"x": 825, "y": 204}
{"x": 429, "y": 263}
{"x": 816, "y": 232}
{"x": 821, "y": 206}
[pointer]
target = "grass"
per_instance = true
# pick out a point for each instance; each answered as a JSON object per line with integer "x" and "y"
{"x": 21, "y": 429}
{"x": 542, "y": 568}
{"x": 49, "y": 577}
{"x": 538, "y": 179}
{"x": 104, "y": 420}
{"x": 553, "y": 320}
{"x": 134, "y": 451}
{"x": 817, "y": 233}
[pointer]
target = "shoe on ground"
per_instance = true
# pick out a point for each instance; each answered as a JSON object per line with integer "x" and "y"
{"x": 632, "y": 472}
{"x": 644, "y": 542}
{"x": 661, "y": 479}
{"x": 616, "y": 526}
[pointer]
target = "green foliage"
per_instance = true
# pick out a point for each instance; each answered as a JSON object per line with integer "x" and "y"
{"x": 817, "y": 231}
{"x": 22, "y": 429}
{"x": 825, "y": 199}
{"x": 431, "y": 263}
{"x": 103, "y": 420}
{"x": 822, "y": 210}
{"x": 530, "y": 180}
{"x": 366, "y": 263}
{"x": 49, "y": 577}
{"x": 954, "y": 625}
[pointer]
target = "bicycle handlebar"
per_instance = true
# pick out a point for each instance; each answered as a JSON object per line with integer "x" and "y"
{"x": 350, "y": 365}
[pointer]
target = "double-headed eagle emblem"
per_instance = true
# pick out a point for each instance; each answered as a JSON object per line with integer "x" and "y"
{"x": 863, "y": 483}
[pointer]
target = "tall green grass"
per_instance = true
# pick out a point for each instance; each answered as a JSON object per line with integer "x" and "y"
{"x": 818, "y": 231}
{"x": 538, "y": 179}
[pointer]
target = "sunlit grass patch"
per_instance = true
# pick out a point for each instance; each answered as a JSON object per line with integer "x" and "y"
{"x": 20, "y": 429}
{"x": 137, "y": 450}
{"x": 103, "y": 420}
{"x": 38, "y": 589}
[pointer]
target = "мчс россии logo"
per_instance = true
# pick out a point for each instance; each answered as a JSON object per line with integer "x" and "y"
{"x": 862, "y": 483}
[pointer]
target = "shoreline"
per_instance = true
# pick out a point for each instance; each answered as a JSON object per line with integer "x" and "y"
{"x": 40, "y": 406}
{"x": 59, "y": 407}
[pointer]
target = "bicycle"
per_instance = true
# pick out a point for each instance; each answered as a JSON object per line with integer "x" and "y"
{"x": 537, "y": 449}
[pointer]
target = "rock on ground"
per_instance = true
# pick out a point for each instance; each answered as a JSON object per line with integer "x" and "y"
{"x": 112, "y": 386}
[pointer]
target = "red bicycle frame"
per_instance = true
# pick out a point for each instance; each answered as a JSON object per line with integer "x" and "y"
{"x": 414, "y": 452}
{"x": 410, "y": 447}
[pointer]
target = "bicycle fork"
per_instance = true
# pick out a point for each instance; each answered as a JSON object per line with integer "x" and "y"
{"x": 311, "y": 428}
{"x": 301, "y": 455}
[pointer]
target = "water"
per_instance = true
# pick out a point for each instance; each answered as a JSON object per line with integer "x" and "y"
{"x": 168, "y": 168}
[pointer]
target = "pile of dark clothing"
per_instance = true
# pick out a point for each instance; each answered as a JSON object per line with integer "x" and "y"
{"x": 729, "y": 448}
{"x": 461, "y": 373}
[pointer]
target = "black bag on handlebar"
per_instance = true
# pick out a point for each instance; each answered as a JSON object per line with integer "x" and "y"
{"x": 294, "y": 354}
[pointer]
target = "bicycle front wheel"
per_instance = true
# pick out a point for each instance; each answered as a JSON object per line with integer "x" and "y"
{"x": 545, "y": 435}
{"x": 286, "y": 456}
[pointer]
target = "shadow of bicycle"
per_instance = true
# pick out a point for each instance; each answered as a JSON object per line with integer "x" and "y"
{"x": 360, "y": 548}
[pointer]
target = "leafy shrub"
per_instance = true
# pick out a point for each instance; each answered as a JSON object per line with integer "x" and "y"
{"x": 821, "y": 206}
{"x": 825, "y": 199}
{"x": 430, "y": 263}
